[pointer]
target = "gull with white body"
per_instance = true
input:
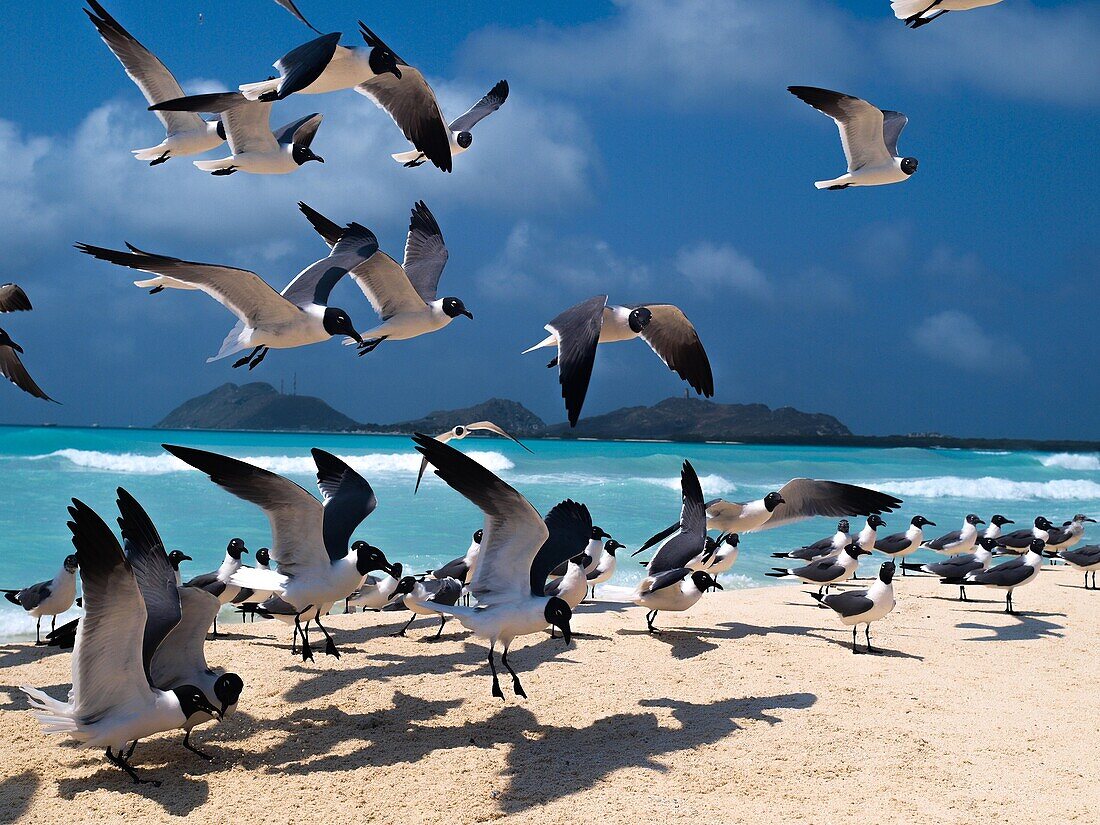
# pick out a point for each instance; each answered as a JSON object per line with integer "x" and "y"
{"x": 957, "y": 541}
{"x": 958, "y": 566}
{"x": 460, "y": 130}
{"x": 900, "y": 545}
{"x": 48, "y": 598}
{"x": 917, "y": 13}
{"x": 861, "y": 607}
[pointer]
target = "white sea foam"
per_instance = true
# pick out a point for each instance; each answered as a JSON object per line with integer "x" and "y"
{"x": 370, "y": 463}
{"x": 989, "y": 488}
{"x": 15, "y": 623}
{"x": 712, "y": 484}
{"x": 1071, "y": 461}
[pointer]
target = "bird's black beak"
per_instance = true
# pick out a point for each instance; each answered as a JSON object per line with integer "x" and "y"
{"x": 468, "y": 314}
{"x": 16, "y": 347}
{"x": 716, "y": 586}
{"x": 1090, "y": 519}
{"x": 186, "y": 558}
{"x": 396, "y": 72}
{"x": 566, "y": 633}
{"x": 980, "y": 521}
{"x": 1009, "y": 521}
{"x": 930, "y": 524}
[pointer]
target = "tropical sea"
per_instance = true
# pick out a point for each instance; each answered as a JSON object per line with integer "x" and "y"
{"x": 630, "y": 487}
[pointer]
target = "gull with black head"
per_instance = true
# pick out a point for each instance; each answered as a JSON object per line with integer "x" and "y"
{"x": 861, "y": 607}
{"x": 48, "y": 598}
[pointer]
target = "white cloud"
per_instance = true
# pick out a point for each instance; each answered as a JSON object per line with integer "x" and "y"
{"x": 713, "y": 268}
{"x": 955, "y": 338}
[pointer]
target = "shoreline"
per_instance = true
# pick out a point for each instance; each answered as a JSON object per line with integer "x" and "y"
{"x": 749, "y": 707}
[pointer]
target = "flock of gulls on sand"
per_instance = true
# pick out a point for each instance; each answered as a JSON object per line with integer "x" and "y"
{"x": 138, "y": 660}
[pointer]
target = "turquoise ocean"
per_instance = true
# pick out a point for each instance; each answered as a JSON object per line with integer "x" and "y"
{"x": 632, "y": 489}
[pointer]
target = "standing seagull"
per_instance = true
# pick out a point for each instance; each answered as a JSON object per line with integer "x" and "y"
{"x": 14, "y": 299}
{"x": 1069, "y": 534}
{"x": 996, "y": 522}
{"x": 217, "y": 582}
{"x": 510, "y": 581}
{"x": 1086, "y": 559}
{"x": 797, "y": 500}
{"x": 861, "y": 607}
{"x": 580, "y": 329}
{"x": 253, "y": 146}
{"x": 177, "y": 619}
{"x": 823, "y": 547}
{"x": 418, "y": 598}
{"x": 1007, "y": 576}
{"x": 1018, "y": 542}
{"x": 403, "y": 295}
{"x": 958, "y": 566}
{"x": 869, "y": 136}
{"x": 957, "y": 541}
{"x": 673, "y": 590}
{"x": 572, "y": 588}
{"x": 460, "y": 129}
{"x": 112, "y": 702}
{"x": 457, "y": 433}
{"x": 186, "y": 132}
{"x": 177, "y": 557}
{"x": 605, "y": 567}
{"x": 827, "y": 571}
{"x": 900, "y": 545}
{"x": 47, "y": 598}
{"x": 309, "y": 539}
{"x": 247, "y": 599}
{"x": 917, "y": 13}
{"x": 323, "y": 65}
{"x": 298, "y": 316}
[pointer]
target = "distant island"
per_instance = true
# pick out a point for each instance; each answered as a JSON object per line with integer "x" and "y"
{"x": 259, "y": 406}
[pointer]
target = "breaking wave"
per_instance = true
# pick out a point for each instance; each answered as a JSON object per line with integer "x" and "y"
{"x": 1071, "y": 461}
{"x": 990, "y": 488}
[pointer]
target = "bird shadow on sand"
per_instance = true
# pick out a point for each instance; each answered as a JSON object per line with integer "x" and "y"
{"x": 1025, "y": 625}
{"x": 14, "y": 654}
{"x": 410, "y": 730}
{"x": 16, "y": 793}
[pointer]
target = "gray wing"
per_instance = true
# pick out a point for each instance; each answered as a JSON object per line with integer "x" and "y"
{"x": 1082, "y": 556}
{"x": 691, "y": 540}
{"x": 489, "y": 426}
{"x": 247, "y": 122}
{"x": 1003, "y": 575}
{"x": 671, "y": 335}
{"x": 242, "y": 292}
{"x": 425, "y": 252}
{"x": 665, "y": 579}
{"x": 295, "y": 516}
{"x": 151, "y": 76}
{"x": 349, "y": 499}
{"x": 410, "y": 101}
{"x": 30, "y": 597}
{"x": 894, "y": 543}
{"x": 824, "y": 570}
{"x": 944, "y": 540}
{"x": 293, "y": 9}
{"x": 569, "y": 526}
{"x": 107, "y": 660}
{"x": 892, "y": 124}
{"x": 848, "y": 603}
{"x": 153, "y": 572}
{"x": 327, "y": 229}
{"x": 314, "y": 284}
{"x": 443, "y": 591}
{"x": 860, "y": 124}
{"x": 808, "y": 497}
{"x": 578, "y": 333}
{"x": 12, "y": 369}
{"x": 955, "y": 566}
{"x": 488, "y": 104}
{"x": 513, "y": 531}
{"x": 1057, "y": 535}
{"x": 181, "y": 654}
{"x": 13, "y": 299}
{"x": 385, "y": 284}
{"x": 300, "y": 131}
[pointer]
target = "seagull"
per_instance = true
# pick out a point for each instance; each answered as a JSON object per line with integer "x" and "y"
{"x": 869, "y": 136}
{"x": 323, "y": 65}
{"x": 112, "y": 702}
{"x": 47, "y": 598}
{"x": 959, "y": 565}
{"x": 1069, "y": 534}
{"x": 403, "y": 295}
{"x": 917, "y": 13}
{"x": 459, "y": 432}
{"x": 310, "y": 540}
{"x": 580, "y": 329}
{"x": 217, "y": 582}
{"x": 869, "y": 534}
{"x": 177, "y": 557}
{"x": 797, "y": 500}
{"x": 460, "y": 129}
{"x": 376, "y": 591}
{"x": 605, "y": 568}
{"x": 861, "y": 607}
{"x": 594, "y": 550}
{"x": 572, "y": 588}
{"x": 900, "y": 545}
{"x": 996, "y": 522}
{"x": 957, "y": 541}
{"x": 1018, "y": 542}
{"x": 463, "y": 567}
{"x": 1008, "y": 576}
{"x": 688, "y": 544}
{"x": 518, "y": 552}
{"x": 827, "y": 571}
{"x": 176, "y": 623}
{"x": 297, "y": 316}
{"x": 418, "y": 596}
{"x": 723, "y": 555}
{"x": 247, "y": 599}
{"x": 186, "y": 132}
{"x": 823, "y": 547}
{"x": 14, "y": 299}
{"x": 253, "y": 146}
{"x": 1086, "y": 559}
{"x": 674, "y": 590}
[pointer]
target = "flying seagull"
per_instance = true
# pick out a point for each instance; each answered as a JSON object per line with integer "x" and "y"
{"x": 14, "y": 299}
{"x": 580, "y": 329}
{"x": 47, "y": 598}
{"x": 247, "y": 125}
{"x": 798, "y": 499}
{"x": 518, "y": 551}
{"x": 297, "y": 316}
{"x": 186, "y": 132}
{"x": 687, "y": 546}
{"x": 869, "y": 137}
{"x": 323, "y": 65}
{"x": 460, "y": 129}
{"x": 861, "y": 607}
{"x": 917, "y": 13}
{"x": 309, "y": 539}
{"x": 403, "y": 295}
{"x": 113, "y": 702}
{"x": 460, "y": 431}
{"x": 11, "y": 367}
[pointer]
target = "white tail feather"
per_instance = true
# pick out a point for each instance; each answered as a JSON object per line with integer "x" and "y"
{"x": 252, "y": 91}
{"x": 255, "y": 579}
{"x": 904, "y": 9}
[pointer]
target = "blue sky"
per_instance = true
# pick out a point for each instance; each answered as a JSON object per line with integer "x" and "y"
{"x": 648, "y": 150}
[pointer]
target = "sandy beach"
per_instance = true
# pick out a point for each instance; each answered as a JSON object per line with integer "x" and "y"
{"x": 749, "y": 708}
